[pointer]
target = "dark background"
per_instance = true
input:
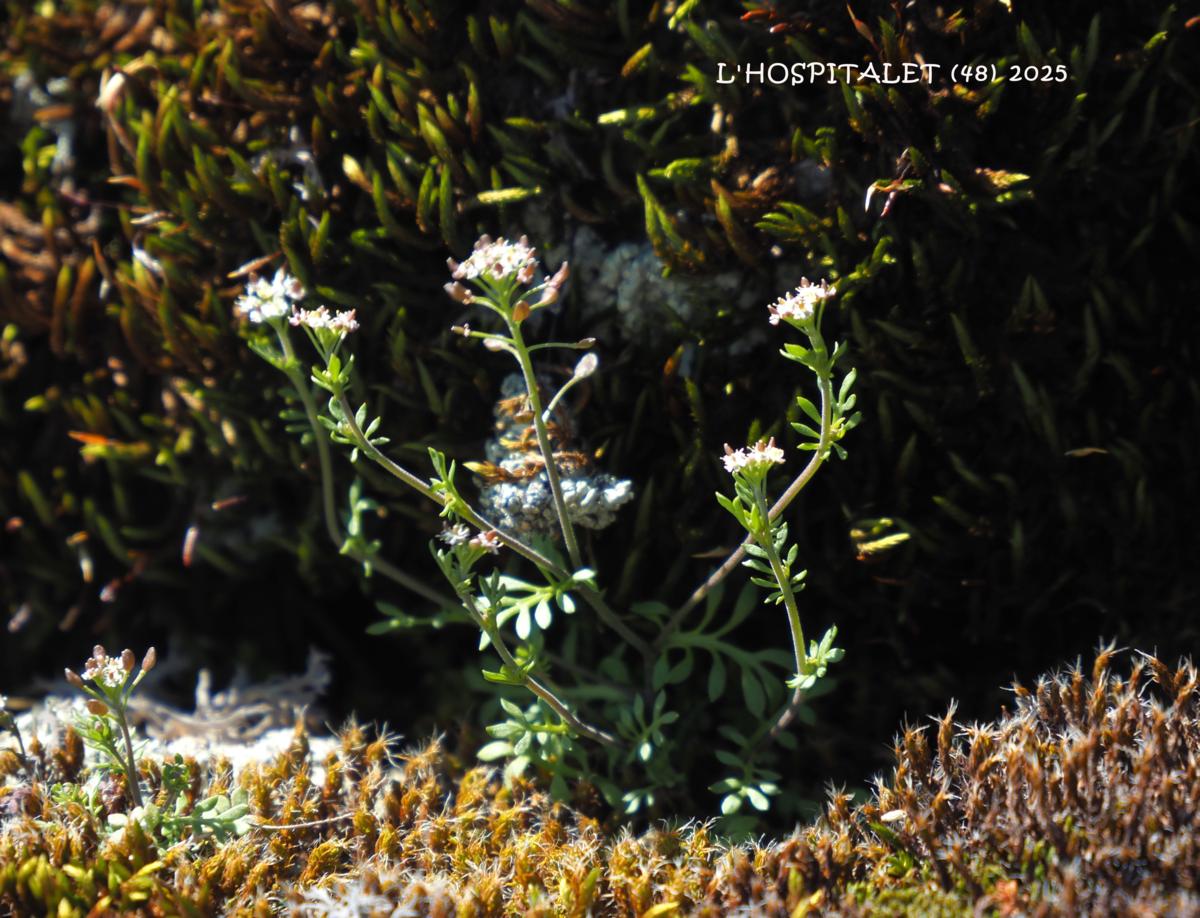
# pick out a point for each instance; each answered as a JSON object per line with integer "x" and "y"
{"x": 1022, "y": 318}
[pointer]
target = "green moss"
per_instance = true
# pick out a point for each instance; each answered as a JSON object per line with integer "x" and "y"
{"x": 1068, "y": 805}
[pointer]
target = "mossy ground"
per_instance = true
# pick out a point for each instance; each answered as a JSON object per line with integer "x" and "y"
{"x": 1079, "y": 801}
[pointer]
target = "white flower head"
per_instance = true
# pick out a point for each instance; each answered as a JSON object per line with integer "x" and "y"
{"x": 496, "y": 260}
{"x": 801, "y": 304}
{"x": 269, "y": 299}
{"x": 342, "y": 322}
{"x": 489, "y": 541}
{"x": 105, "y": 670}
{"x": 455, "y": 535}
{"x": 757, "y": 458}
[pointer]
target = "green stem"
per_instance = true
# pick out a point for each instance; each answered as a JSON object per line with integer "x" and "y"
{"x": 131, "y": 773}
{"x": 730, "y": 564}
{"x": 782, "y": 575}
{"x": 542, "y": 690}
{"x": 539, "y": 424}
{"x": 328, "y": 503}
{"x": 592, "y": 597}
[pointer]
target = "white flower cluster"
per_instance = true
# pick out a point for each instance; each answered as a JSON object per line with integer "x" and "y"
{"x": 498, "y": 260}
{"x": 489, "y": 541}
{"x": 801, "y": 303}
{"x": 269, "y": 299}
{"x": 754, "y": 458}
{"x": 106, "y": 670}
{"x": 342, "y": 322}
{"x": 455, "y": 535}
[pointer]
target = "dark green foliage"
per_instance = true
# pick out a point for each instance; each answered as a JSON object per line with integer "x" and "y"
{"x": 1020, "y": 316}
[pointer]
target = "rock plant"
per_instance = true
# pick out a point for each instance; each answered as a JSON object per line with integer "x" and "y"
{"x": 609, "y": 717}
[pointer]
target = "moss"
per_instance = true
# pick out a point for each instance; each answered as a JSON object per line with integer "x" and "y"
{"x": 1076, "y": 802}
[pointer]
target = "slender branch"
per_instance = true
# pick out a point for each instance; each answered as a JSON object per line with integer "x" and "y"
{"x": 730, "y": 564}
{"x": 547, "y": 449}
{"x": 799, "y": 648}
{"x": 315, "y": 824}
{"x": 591, "y": 596}
{"x": 543, "y": 691}
{"x": 131, "y": 769}
{"x": 783, "y": 578}
{"x": 328, "y": 503}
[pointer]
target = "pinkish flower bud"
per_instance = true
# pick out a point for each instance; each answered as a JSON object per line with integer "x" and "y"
{"x": 521, "y": 311}
{"x": 149, "y": 660}
{"x": 99, "y": 652}
{"x": 560, "y": 276}
{"x": 128, "y": 661}
{"x": 73, "y": 678}
{"x": 459, "y": 293}
{"x": 97, "y": 707}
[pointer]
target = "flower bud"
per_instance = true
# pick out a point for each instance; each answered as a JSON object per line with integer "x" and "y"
{"x": 128, "y": 661}
{"x": 493, "y": 344}
{"x": 73, "y": 678}
{"x": 586, "y": 342}
{"x": 98, "y": 652}
{"x": 560, "y": 276}
{"x": 97, "y": 707}
{"x": 586, "y": 366}
{"x": 521, "y": 311}
{"x": 149, "y": 660}
{"x": 459, "y": 293}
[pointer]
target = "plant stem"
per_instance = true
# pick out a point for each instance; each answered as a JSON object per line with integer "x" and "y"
{"x": 131, "y": 774}
{"x": 766, "y": 542}
{"x": 329, "y": 506}
{"x": 547, "y": 450}
{"x": 543, "y": 691}
{"x": 730, "y": 564}
{"x": 592, "y": 597}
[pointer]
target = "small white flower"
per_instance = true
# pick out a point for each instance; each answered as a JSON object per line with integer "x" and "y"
{"x": 265, "y": 300}
{"x": 342, "y": 322}
{"x": 106, "y": 670}
{"x": 754, "y": 458}
{"x": 489, "y": 541}
{"x": 801, "y": 303}
{"x": 498, "y": 260}
{"x": 455, "y": 535}
{"x": 310, "y": 318}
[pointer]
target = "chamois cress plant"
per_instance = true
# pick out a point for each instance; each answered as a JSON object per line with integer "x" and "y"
{"x": 614, "y": 721}
{"x": 109, "y": 683}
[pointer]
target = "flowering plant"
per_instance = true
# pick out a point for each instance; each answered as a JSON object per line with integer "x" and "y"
{"x": 612, "y": 723}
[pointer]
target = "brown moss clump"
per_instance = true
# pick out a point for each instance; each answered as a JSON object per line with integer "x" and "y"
{"x": 1080, "y": 801}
